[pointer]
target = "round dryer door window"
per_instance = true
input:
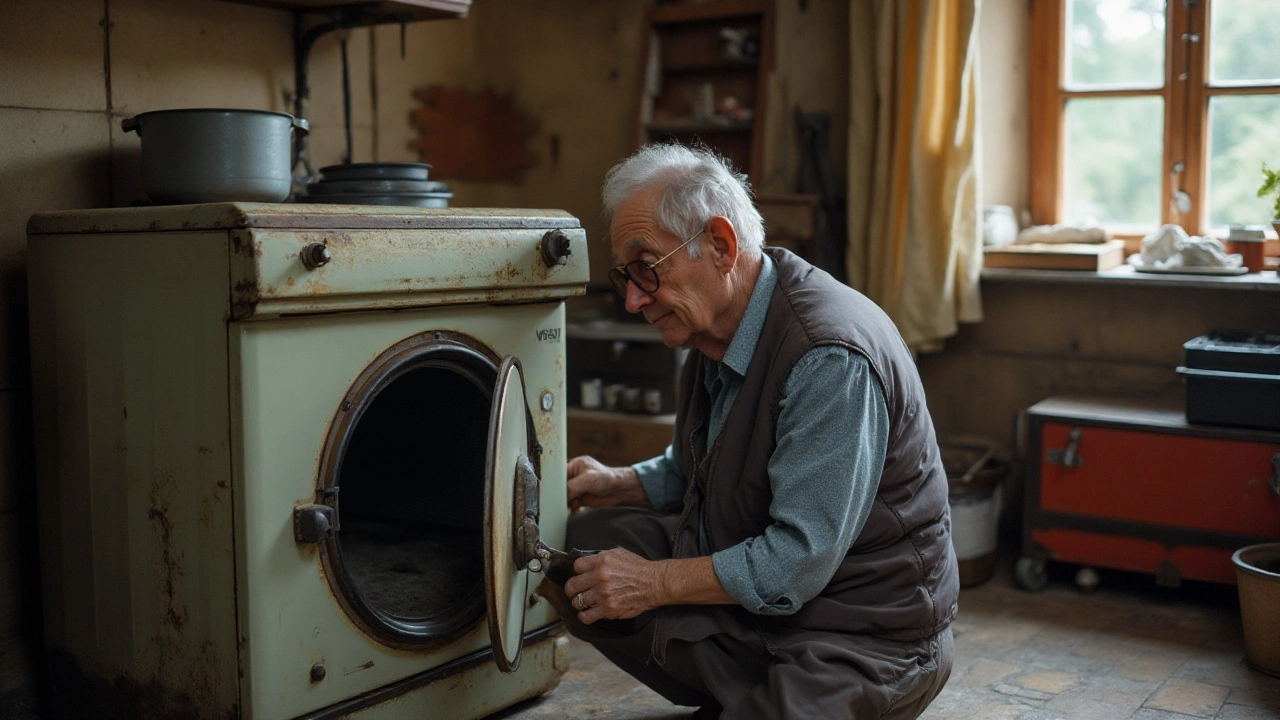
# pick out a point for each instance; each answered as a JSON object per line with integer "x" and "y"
{"x": 403, "y": 513}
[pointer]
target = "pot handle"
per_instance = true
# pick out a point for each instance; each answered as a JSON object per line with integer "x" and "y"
{"x": 300, "y": 124}
{"x": 130, "y": 125}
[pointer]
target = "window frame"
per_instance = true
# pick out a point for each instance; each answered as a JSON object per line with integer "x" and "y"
{"x": 1186, "y": 94}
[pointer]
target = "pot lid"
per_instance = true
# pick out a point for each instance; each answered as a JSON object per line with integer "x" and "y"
{"x": 376, "y": 171}
{"x": 376, "y": 187}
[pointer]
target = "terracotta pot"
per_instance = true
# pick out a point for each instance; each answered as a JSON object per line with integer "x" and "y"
{"x": 1258, "y": 579}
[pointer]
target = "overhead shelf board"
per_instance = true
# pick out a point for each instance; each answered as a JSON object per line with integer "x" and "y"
{"x": 373, "y": 12}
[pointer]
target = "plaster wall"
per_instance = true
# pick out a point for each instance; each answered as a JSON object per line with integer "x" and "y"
{"x": 1004, "y": 27}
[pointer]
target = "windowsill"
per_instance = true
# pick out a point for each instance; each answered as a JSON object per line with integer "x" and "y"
{"x": 1125, "y": 275}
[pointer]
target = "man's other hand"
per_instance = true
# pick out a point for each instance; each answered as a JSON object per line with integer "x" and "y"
{"x": 617, "y": 584}
{"x": 614, "y": 585}
{"x": 593, "y": 484}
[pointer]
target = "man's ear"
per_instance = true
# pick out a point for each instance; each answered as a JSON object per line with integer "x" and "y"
{"x": 724, "y": 243}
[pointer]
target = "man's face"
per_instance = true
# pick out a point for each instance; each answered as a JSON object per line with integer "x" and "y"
{"x": 682, "y": 307}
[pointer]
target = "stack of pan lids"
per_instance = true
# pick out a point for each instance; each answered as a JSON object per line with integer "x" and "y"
{"x": 386, "y": 183}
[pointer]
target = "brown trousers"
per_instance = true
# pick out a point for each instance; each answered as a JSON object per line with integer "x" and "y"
{"x": 751, "y": 673}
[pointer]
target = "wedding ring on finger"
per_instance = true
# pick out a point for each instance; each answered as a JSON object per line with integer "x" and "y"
{"x": 581, "y": 604}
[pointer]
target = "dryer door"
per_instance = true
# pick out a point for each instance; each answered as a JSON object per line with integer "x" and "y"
{"x": 511, "y": 514}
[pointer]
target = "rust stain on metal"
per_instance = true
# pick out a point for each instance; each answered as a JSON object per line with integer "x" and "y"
{"x": 544, "y": 423}
{"x": 337, "y": 240}
{"x": 244, "y": 298}
{"x": 288, "y": 282}
{"x": 170, "y": 560}
{"x": 508, "y": 271}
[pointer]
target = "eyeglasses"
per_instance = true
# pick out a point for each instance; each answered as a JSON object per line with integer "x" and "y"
{"x": 642, "y": 273}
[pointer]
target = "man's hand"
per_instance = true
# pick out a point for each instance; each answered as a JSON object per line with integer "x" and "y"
{"x": 592, "y": 484}
{"x": 618, "y": 584}
{"x": 613, "y": 585}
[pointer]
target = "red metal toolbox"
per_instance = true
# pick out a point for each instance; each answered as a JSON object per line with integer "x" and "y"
{"x": 1131, "y": 485}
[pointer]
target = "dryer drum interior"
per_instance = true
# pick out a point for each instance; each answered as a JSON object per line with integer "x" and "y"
{"x": 407, "y": 456}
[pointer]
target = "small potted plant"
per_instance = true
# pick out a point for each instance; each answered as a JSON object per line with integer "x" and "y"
{"x": 1272, "y": 187}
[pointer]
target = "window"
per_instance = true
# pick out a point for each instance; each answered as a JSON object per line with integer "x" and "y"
{"x": 1146, "y": 112}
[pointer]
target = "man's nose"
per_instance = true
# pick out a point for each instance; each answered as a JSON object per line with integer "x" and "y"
{"x": 636, "y": 298}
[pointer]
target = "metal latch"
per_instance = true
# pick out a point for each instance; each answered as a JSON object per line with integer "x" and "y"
{"x": 315, "y": 522}
{"x": 1068, "y": 456}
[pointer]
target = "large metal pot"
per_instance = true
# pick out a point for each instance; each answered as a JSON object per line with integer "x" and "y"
{"x": 209, "y": 155}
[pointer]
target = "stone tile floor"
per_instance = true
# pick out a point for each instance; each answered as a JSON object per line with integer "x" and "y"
{"x": 1126, "y": 651}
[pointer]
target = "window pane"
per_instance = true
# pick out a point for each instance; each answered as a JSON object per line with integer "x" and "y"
{"x": 1244, "y": 132}
{"x": 1114, "y": 43}
{"x": 1112, "y": 161}
{"x": 1244, "y": 42}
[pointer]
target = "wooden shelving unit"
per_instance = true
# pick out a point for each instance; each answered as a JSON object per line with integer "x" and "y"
{"x": 703, "y": 87}
{"x": 625, "y": 353}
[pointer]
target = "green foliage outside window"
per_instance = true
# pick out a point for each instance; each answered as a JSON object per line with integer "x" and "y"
{"x": 1271, "y": 187}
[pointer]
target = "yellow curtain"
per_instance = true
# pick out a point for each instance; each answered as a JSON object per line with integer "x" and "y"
{"x": 915, "y": 244}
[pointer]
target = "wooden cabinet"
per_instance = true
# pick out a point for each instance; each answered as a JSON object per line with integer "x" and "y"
{"x": 620, "y": 355}
{"x": 705, "y": 78}
{"x": 1132, "y": 486}
{"x": 618, "y": 439}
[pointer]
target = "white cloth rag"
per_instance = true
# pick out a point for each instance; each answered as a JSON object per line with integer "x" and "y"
{"x": 1171, "y": 247}
{"x": 1162, "y": 244}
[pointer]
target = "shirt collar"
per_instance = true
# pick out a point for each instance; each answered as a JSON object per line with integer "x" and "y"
{"x": 743, "y": 346}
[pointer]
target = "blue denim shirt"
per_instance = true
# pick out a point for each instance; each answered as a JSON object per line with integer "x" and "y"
{"x": 833, "y": 429}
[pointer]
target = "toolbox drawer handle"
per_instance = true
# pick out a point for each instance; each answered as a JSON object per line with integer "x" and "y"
{"x": 1229, "y": 375}
{"x": 1068, "y": 456}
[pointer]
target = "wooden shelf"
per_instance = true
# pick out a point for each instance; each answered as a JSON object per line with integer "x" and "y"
{"x": 376, "y": 12}
{"x": 713, "y": 66}
{"x": 684, "y": 128}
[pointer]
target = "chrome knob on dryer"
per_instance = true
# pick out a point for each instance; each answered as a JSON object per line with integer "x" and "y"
{"x": 314, "y": 255}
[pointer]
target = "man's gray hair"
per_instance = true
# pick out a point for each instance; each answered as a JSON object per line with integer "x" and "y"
{"x": 694, "y": 185}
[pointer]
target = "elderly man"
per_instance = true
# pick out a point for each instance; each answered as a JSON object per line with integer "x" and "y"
{"x": 790, "y": 553}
